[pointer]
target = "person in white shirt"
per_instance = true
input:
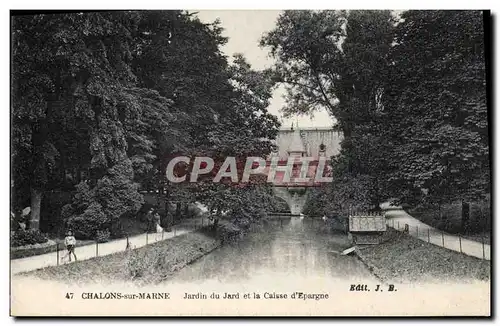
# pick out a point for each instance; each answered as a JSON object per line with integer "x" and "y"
{"x": 70, "y": 243}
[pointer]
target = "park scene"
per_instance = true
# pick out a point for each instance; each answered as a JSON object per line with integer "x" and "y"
{"x": 161, "y": 147}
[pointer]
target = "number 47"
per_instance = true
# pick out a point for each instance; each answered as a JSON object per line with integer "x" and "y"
{"x": 69, "y": 295}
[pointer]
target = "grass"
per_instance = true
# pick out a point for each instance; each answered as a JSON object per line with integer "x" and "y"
{"x": 405, "y": 259}
{"x": 148, "y": 264}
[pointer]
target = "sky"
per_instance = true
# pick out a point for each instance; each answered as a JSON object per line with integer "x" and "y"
{"x": 244, "y": 29}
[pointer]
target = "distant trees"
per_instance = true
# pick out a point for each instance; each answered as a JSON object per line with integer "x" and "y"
{"x": 408, "y": 93}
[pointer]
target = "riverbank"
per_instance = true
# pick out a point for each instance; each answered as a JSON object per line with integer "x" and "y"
{"x": 404, "y": 259}
{"x": 145, "y": 265}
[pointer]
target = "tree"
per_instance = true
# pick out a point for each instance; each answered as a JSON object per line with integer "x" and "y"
{"x": 338, "y": 61}
{"x": 437, "y": 95}
{"x": 71, "y": 73}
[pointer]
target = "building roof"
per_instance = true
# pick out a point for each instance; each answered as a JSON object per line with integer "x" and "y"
{"x": 374, "y": 223}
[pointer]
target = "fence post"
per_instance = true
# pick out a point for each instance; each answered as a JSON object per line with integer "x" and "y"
{"x": 482, "y": 240}
{"x": 398, "y": 225}
{"x": 460, "y": 242}
{"x": 173, "y": 227}
{"x": 417, "y": 231}
{"x": 57, "y": 248}
{"x": 162, "y": 233}
{"x": 147, "y": 237}
{"x": 96, "y": 248}
{"x": 429, "y": 235}
{"x": 442, "y": 237}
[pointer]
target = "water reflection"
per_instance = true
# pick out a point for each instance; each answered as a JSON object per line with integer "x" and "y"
{"x": 295, "y": 247}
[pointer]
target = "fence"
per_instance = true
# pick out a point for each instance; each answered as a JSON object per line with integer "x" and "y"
{"x": 99, "y": 249}
{"x": 458, "y": 243}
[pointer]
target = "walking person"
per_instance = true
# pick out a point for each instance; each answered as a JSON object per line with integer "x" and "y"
{"x": 157, "y": 222}
{"x": 70, "y": 243}
{"x": 149, "y": 219}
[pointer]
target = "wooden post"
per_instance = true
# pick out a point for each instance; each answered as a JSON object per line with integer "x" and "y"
{"x": 57, "y": 248}
{"x": 417, "y": 231}
{"x": 398, "y": 225}
{"x": 429, "y": 235}
{"x": 146, "y": 237}
{"x": 96, "y": 248}
{"x": 460, "y": 242}
{"x": 162, "y": 233}
{"x": 442, "y": 237}
{"x": 482, "y": 240}
{"x": 173, "y": 227}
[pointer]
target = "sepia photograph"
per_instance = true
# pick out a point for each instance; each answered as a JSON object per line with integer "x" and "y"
{"x": 270, "y": 163}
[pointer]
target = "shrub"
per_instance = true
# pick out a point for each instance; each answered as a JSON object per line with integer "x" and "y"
{"x": 29, "y": 237}
{"x": 86, "y": 225}
{"x": 103, "y": 236}
{"x": 97, "y": 206}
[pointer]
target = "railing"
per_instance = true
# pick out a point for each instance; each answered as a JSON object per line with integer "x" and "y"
{"x": 99, "y": 249}
{"x": 458, "y": 243}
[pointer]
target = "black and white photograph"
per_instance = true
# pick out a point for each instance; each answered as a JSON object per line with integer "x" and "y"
{"x": 271, "y": 163}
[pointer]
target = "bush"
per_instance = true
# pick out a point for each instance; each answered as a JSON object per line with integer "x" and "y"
{"x": 86, "y": 225}
{"x": 97, "y": 206}
{"x": 29, "y": 237}
{"x": 103, "y": 236}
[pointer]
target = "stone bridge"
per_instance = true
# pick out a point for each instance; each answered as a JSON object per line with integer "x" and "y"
{"x": 302, "y": 142}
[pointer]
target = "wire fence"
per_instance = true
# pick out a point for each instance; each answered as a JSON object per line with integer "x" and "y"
{"x": 99, "y": 248}
{"x": 458, "y": 243}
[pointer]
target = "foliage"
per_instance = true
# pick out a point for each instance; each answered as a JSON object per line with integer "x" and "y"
{"x": 103, "y": 236}
{"x": 337, "y": 60}
{"x": 125, "y": 92}
{"x": 100, "y": 207}
{"x": 408, "y": 94}
{"x": 437, "y": 95}
{"x": 28, "y": 237}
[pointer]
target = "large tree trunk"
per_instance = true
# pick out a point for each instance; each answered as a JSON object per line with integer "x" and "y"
{"x": 36, "y": 203}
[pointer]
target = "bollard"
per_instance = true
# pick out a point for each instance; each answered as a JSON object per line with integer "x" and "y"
{"x": 57, "y": 248}
{"x": 442, "y": 237}
{"x": 460, "y": 242}
{"x": 429, "y": 235}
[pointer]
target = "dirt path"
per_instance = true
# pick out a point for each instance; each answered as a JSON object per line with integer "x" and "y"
{"x": 90, "y": 251}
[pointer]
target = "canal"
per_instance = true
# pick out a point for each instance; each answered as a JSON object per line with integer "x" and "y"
{"x": 287, "y": 250}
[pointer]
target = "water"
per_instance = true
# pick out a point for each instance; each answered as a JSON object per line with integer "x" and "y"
{"x": 291, "y": 249}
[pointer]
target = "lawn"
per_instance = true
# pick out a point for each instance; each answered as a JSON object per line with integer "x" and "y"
{"x": 405, "y": 259}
